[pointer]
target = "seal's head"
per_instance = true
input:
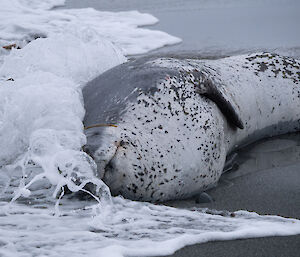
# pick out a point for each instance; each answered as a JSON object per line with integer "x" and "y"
{"x": 168, "y": 140}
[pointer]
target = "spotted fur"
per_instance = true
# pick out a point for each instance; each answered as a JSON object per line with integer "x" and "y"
{"x": 178, "y": 119}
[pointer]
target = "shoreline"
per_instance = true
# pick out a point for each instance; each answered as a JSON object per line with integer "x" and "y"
{"x": 267, "y": 180}
{"x": 208, "y": 28}
{"x": 260, "y": 184}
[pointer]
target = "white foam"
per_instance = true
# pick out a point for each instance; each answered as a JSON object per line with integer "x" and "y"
{"x": 42, "y": 109}
{"x": 22, "y": 21}
{"x": 124, "y": 228}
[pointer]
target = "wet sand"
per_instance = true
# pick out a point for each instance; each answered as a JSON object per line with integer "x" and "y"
{"x": 258, "y": 247}
{"x": 267, "y": 180}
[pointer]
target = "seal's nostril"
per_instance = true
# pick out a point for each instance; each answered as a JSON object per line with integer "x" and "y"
{"x": 109, "y": 167}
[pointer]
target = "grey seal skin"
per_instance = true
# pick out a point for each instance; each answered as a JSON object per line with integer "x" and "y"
{"x": 161, "y": 128}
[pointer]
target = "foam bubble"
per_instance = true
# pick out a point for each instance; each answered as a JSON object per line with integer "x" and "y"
{"x": 41, "y": 102}
{"x": 124, "y": 228}
{"x": 23, "y": 21}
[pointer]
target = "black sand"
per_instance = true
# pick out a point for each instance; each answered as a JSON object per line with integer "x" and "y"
{"x": 267, "y": 182}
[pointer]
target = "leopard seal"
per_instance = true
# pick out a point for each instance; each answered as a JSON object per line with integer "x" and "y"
{"x": 160, "y": 128}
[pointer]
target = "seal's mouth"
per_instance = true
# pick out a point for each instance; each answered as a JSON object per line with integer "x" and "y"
{"x": 114, "y": 173}
{"x": 105, "y": 161}
{"x": 102, "y": 145}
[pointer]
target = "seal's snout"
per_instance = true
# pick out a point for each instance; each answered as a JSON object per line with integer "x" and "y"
{"x": 102, "y": 147}
{"x": 118, "y": 170}
{"x": 112, "y": 176}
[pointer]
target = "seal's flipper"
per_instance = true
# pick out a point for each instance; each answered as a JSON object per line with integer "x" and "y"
{"x": 231, "y": 163}
{"x": 203, "y": 198}
{"x": 207, "y": 81}
{"x": 224, "y": 101}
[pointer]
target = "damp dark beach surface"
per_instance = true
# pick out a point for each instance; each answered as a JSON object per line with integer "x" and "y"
{"x": 266, "y": 176}
{"x": 265, "y": 180}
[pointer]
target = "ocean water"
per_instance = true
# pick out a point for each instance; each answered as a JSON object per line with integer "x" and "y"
{"x": 218, "y": 27}
{"x": 48, "y": 56}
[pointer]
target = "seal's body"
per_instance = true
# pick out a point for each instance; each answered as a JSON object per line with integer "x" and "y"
{"x": 174, "y": 120}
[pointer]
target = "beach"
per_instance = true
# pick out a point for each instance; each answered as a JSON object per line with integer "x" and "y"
{"x": 266, "y": 182}
{"x": 53, "y": 200}
{"x": 267, "y": 178}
